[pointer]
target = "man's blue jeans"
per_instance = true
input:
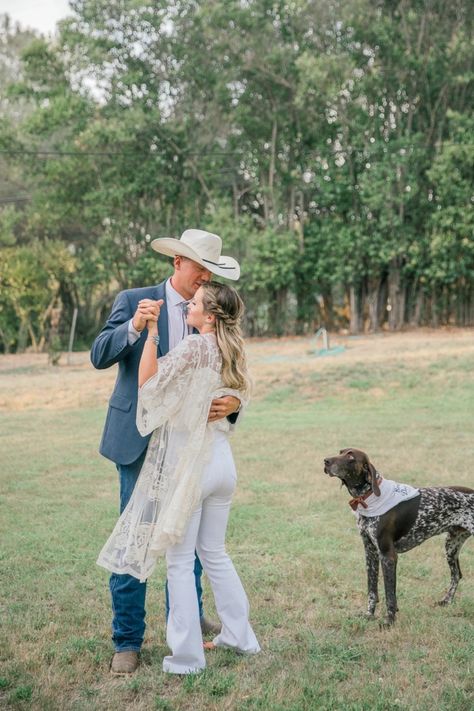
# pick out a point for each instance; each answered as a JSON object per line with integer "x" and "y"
{"x": 128, "y": 593}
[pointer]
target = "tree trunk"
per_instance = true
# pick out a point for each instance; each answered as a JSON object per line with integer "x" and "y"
{"x": 396, "y": 297}
{"x": 417, "y": 310}
{"x": 235, "y": 200}
{"x": 373, "y": 302}
{"x": 355, "y": 305}
{"x": 326, "y": 308}
{"x": 277, "y": 312}
{"x": 266, "y": 207}
{"x": 292, "y": 209}
{"x": 6, "y": 342}
{"x": 302, "y": 315}
{"x": 22, "y": 337}
{"x": 434, "y": 309}
{"x": 383, "y": 295}
{"x": 271, "y": 172}
{"x": 402, "y": 302}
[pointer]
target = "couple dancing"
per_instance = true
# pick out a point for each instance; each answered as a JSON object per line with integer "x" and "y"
{"x": 181, "y": 383}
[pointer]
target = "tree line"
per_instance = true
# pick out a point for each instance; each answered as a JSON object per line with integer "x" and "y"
{"x": 330, "y": 143}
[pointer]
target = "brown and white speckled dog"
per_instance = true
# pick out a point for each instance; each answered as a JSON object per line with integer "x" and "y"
{"x": 434, "y": 510}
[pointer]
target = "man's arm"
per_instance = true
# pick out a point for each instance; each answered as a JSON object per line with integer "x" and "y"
{"x": 112, "y": 343}
{"x": 117, "y": 337}
{"x": 226, "y": 406}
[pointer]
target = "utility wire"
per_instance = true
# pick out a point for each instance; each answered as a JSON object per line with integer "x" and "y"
{"x": 209, "y": 153}
{"x": 6, "y": 200}
{"x": 109, "y": 153}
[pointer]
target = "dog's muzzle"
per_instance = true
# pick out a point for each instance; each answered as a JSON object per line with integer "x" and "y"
{"x": 328, "y": 468}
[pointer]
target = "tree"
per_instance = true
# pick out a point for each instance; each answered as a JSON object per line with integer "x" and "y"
{"x": 327, "y": 142}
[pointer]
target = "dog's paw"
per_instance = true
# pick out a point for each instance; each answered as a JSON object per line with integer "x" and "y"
{"x": 387, "y": 622}
{"x": 364, "y": 615}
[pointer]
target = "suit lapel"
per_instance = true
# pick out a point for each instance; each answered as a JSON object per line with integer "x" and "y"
{"x": 160, "y": 293}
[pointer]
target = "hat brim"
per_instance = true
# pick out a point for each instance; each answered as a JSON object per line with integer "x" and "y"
{"x": 228, "y": 267}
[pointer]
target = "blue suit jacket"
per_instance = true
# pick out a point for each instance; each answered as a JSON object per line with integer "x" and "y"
{"x": 121, "y": 441}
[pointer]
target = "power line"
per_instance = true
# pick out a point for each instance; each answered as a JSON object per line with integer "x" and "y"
{"x": 6, "y": 200}
{"x": 112, "y": 153}
{"x": 185, "y": 153}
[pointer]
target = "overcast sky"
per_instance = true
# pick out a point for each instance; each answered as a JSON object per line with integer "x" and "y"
{"x": 39, "y": 15}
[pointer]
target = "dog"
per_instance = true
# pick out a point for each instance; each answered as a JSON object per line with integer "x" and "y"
{"x": 413, "y": 516}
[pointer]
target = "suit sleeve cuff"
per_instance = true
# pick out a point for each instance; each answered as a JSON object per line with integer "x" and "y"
{"x": 133, "y": 334}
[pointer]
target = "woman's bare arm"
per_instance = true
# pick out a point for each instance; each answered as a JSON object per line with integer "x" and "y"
{"x": 149, "y": 362}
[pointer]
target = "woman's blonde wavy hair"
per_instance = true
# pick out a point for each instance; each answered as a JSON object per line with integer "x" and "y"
{"x": 226, "y": 305}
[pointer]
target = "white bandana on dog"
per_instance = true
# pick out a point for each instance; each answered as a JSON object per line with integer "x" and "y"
{"x": 391, "y": 494}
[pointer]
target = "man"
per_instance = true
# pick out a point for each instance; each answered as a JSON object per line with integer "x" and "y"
{"x": 197, "y": 256}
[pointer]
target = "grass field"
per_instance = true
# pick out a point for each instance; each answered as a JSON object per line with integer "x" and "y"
{"x": 407, "y": 399}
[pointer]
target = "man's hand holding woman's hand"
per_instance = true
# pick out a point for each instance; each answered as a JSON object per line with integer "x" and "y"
{"x": 147, "y": 315}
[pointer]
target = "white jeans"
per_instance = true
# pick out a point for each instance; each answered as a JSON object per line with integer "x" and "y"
{"x": 206, "y": 535}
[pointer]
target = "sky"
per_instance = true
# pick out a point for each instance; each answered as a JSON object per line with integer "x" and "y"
{"x": 39, "y": 15}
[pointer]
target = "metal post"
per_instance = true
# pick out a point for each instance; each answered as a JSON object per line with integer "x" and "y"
{"x": 324, "y": 335}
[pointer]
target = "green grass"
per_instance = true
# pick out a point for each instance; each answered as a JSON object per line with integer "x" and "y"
{"x": 292, "y": 537}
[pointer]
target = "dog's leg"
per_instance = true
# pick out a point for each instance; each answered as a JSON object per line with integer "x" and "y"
{"x": 389, "y": 570}
{"x": 372, "y": 566}
{"x": 388, "y": 559}
{"x": 455, "y": 539}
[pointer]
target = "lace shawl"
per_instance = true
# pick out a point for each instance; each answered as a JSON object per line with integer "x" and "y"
{"x": 174, "y": 405}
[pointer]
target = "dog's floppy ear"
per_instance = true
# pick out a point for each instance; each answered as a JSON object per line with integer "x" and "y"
{"x": 372, "y": 472}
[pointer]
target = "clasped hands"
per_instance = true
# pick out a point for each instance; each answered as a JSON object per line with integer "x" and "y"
{"x": 146, "y": 316}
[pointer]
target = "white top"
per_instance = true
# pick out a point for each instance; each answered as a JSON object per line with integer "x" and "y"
{"x": 391, "y": 494}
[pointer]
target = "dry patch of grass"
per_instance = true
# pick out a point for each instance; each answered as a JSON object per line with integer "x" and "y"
{"x": 279, "y": 367}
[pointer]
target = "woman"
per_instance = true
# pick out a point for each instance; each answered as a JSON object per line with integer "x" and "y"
{"x": 182, "y": 498}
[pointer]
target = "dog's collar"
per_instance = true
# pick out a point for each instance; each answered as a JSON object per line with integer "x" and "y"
{"x": 365, "y": 493}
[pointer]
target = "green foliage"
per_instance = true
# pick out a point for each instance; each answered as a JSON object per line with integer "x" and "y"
{"x": 271, "y": 260}
{"x": 9, "y": 219}
{"x": 452, "y": 176}
{"x": 32, "y": 279}
{"x": 329, "y": 144}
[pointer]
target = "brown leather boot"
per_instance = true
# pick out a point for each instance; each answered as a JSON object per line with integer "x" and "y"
{"x": 124, "y": 662}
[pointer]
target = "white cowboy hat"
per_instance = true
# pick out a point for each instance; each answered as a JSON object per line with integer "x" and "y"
{"x": 202, "y": 247}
